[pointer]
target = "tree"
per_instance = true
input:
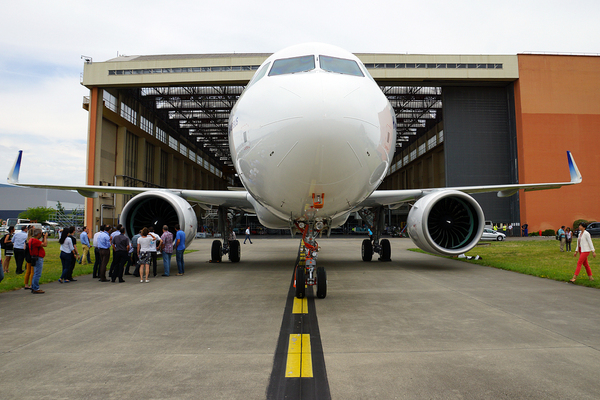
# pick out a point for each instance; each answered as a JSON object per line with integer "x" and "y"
{"x": 60, "y": 210}
{"x": 39, "y": 214}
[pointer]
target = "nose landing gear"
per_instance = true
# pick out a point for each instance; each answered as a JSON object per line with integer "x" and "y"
{"x": 307, "y": 273}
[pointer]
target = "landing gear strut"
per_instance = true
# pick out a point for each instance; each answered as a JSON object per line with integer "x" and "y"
{"x": 376, "y": 220}
{"x": 307, "y": 273}
{"x": 230, "y": 245}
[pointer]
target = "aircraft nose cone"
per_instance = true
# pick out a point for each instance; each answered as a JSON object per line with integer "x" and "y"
{"x": 318, "y": 134}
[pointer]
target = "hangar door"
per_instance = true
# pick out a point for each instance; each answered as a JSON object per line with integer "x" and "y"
{"x": 480, "y": 145}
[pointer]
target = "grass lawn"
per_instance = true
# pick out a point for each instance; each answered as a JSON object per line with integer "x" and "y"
{"x": 51, "y": 271}
{"x": 52, "y": 268}
{"x": 541, "y": 258}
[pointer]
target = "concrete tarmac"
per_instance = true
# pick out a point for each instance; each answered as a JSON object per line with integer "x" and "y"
{"x": 417, "y": 327}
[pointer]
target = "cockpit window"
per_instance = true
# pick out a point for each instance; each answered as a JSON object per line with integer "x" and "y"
{"x": 293, "y": 65}
{"x": 340, "y": 66}
{"x": 259, "y": 74}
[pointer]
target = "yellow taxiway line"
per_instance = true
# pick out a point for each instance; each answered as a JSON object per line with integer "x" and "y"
{"x": 300, "y": 306}
{"x": 299, "y": 360}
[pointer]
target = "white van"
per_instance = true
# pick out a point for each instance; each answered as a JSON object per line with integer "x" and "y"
{"x": 18, "y": 227}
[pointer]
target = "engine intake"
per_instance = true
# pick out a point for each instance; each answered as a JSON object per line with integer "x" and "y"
{"x": 447, "y": 222}
{"x": 158, "y": 208}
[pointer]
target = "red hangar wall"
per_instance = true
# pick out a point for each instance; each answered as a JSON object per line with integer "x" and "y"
{"x": 557, "y": 101}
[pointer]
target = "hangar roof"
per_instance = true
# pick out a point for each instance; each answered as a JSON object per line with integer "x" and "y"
{"x": 194, "y": 93}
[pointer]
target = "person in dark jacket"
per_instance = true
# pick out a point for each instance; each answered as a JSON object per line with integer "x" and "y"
{"x": 121, "y": 248}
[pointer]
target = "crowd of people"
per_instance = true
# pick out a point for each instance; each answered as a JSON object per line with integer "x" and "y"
{"x": 565, "y": 236}
{"x": 141, "y": 251}
{"x": 27, "y": 247}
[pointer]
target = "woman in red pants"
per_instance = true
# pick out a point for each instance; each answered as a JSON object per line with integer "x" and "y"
{"x": 584, "y": 248}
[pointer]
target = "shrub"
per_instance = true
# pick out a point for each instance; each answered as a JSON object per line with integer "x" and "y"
{"x": 577, "y": 222}
{"x": 549, "y": 232}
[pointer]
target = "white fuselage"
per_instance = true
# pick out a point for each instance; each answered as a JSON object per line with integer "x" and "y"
{"x": 313, "y": 143}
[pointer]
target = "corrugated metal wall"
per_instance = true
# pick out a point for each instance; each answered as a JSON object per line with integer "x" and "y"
{"x": 480, "y": 149}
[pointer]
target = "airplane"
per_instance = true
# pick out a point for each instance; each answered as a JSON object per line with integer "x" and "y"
{"x": 311, "y": 137}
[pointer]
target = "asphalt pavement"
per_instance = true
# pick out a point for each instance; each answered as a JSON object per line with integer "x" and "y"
{"x": 417, "y": 327}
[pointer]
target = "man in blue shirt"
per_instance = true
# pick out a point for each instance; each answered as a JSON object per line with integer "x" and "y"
{"x": 85, "y": 243}
{"x": 562, "y": 237}
{"x": 179, "y": 249}
{"x": 104, "y": 251}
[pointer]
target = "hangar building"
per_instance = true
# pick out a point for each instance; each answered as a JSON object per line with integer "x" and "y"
{"x": 161, "y": 121}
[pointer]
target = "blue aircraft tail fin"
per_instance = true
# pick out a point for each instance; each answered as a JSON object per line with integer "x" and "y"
{"x": 13, "y": 175}
{"x": 575, "y": 174}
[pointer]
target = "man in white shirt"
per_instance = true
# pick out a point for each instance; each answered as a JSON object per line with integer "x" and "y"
{"x": 248, "y": 236}
{"x": 156, "y": 242}
{"x": 19, "y": 240}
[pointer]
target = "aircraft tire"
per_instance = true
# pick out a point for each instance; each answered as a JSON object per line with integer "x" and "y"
{"x": 321, "y": 283}
{"x": 367, "y": 250}
{"x": 235, "y": 251}
{"x": 300, "y": 283}
{"x": 386, "y": 250}
{"x": 216, "y": 253}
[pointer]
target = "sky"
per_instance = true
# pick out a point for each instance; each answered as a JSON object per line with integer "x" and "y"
{"x": 42, "y": 43}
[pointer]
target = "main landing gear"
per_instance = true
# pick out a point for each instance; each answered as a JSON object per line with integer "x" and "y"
{"x": 307, "y": 273}
{"x": 373, "y": 245}
{"x": 230, "y": 245}
{"x": 370, "y": 247}
{"x": 231, "y": 248}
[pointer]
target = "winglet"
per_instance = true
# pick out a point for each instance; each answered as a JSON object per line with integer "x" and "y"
{"x": 13, "y": 175}
{"x": 575, "y": 174}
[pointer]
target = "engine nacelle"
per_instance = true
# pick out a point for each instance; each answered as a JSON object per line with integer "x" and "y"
{"x": 447, "y": 222}
{"x": 157, "y": 208}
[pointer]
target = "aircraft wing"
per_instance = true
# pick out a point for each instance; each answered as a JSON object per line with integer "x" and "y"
{"x": 397, "y": 197}
{"x": 227, "y": 198}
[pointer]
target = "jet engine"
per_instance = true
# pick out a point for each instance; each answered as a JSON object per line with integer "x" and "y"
{"x": 157, "y": 208}
{"x": 446, "y": 222}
